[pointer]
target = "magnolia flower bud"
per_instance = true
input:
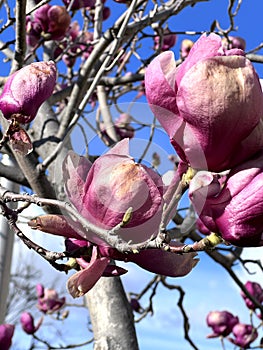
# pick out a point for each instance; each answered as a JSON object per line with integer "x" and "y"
{"x": 6, "y": 334}
{"x": 234, "y": 42}
{"x": 186, "y": 46}
{"x": 26, "y": 90}
{"x": 167, "y": 42}
{"x": 27, "y": 323}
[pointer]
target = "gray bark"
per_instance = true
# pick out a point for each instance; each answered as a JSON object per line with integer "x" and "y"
{"x": 111, "y": 316}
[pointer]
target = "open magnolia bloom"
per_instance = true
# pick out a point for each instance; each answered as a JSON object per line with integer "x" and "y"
{"x": 232, "y": 206}
{"x": 103, "y": 191}
{"x": 211, "y": 105}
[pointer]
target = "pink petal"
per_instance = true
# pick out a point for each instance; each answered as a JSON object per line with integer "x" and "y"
{"x": 165, "y": 263}
{"x": 82, "y": 281}
{"x": 75, "y": 171}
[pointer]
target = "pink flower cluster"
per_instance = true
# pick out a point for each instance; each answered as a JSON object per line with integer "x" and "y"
{"x": 223, "y": 323}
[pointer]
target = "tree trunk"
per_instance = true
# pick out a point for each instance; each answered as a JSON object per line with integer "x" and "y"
{"x": 111, "y": 316}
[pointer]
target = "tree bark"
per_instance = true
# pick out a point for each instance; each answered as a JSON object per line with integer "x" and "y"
{"x": 111, "y": 316}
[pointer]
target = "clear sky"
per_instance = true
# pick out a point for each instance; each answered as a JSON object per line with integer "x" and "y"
{"x": 208, "y": 287}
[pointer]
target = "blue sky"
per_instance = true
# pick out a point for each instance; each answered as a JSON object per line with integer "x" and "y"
{"x": 208, "y": 287}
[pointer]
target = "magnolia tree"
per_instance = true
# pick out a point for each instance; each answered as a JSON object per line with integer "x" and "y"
{"x": 87, "y": 89}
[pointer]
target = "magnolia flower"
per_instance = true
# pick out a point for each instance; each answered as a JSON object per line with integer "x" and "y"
{"x": 167, "y": 42}
{"x": 48, "y": 300}
{"x": 28, "y": 324}
{"x": 244, "y": 334}
{"x": 232, "y": 206}
{"x": 256, "y": 291}
{"x": 49, "y": 23}
{"x": 26, "y": 89}
{"x": 222, "y": 323}
{"x": 234, "y": 42}
{"x": 186, "y": 46}
{"x": 210, "y": 106}
{"x": 23, "y": 94}
{"x": 6, "y": 334}
{"x": 102, "y": 192}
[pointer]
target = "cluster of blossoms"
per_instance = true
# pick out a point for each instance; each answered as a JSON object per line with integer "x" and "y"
{"x": 216, "y": 127}
{"x": 48, "y": 302}
{"x": 223, "y": 323}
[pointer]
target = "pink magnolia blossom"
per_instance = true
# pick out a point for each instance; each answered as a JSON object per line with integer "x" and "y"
{"x": 167, "y": 42}
{"x": 48, "y": 300}
{"x": 244, "y": 335}
{"x": 210, "y": 106}
{"x": 256, "y": 291}
{"x": 232, "y": 207}
{"x": 102, "y": 192}
{"x": 234, "y": 42}
{"x": 49, "y": 23}
{"x": 26, "y": 89}
{"x": 6, "y": 334}
{"x": 28, "y": 324}
{"x": 222, "y": 323}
